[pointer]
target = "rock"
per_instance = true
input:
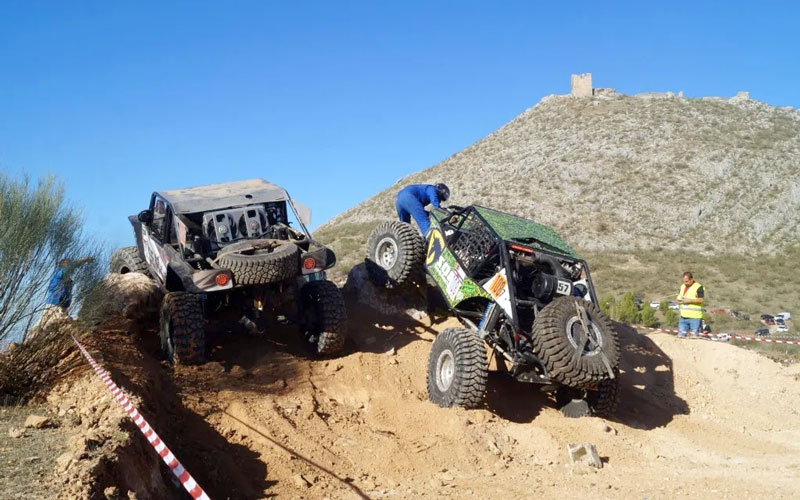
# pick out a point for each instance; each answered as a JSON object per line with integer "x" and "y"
{"x": 404, "y": 301}
{"x": 391, "y": 352}
{"x": 63, "y": 461}
{"x": 112, "y": 493}
{"x": 30, "y": 460}
{"x": 607, "y": 428}
{"x": 586, "y": 453}
{"x": 394, "y": 361}
{"x": 37, "y": 422}
{"x": 15, "y": 433}
{"x": 436, "y": 483}
{"x": 300, "y": 481}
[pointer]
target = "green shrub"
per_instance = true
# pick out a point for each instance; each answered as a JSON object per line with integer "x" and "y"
{"x": 626, "y": 309}
{"x": 649, "y": 316}
{"x": 671, "y": 318}
{"x": 607, "y": 305}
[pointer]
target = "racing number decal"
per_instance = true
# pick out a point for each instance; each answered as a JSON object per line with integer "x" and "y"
{"x": 564, "y": 287}
{"x": 497, "y": 286}
{"x": 435, "y": 247}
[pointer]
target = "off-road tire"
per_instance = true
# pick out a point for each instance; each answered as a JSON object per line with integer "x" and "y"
{"x": 409, "y": 257}
{"x": 470, "y": 370}
{"x": 602, "y": 400}
{"x": 552, "y": 345}
{"x": 182, "y": 332}
{"x": 264, "y": 266}
{"x": 325, "y": 317}
{"x": 126, "y": 260}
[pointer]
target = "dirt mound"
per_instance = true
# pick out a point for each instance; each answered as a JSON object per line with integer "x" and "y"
{"x": 263, "y": 419}
{"x": 127, "y": 297}
{"x": 360, "y": 426}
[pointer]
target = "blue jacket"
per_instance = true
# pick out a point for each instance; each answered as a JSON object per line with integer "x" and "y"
{"x": 424, "y": 193}
{"x": 59, "y": 291}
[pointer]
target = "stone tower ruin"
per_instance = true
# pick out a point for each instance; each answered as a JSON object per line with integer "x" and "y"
{"x": 582, "y": 85}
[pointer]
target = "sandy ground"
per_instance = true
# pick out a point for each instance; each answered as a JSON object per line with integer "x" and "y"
{"x": 262, "y": 420}
{"x": 697, "y": 418}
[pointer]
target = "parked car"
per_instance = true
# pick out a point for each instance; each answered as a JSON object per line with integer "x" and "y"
{"x": 673, "y": 305}
{"x": 767, "y": 316}
{"x": 654, "y": 304}
{"x": 769, "y": 321}
{"x": 762, "y": 332}
{"x": 783, "y": 329}
{"x": 784, "y": 316}
{"x": 780, "y": 322}
{"x": 638, "y": 301}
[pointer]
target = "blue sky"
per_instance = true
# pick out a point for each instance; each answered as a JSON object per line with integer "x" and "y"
{"x": 335, "y": 100}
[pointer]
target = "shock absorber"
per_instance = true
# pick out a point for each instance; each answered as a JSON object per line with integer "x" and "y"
{"x": 489, "y": 319}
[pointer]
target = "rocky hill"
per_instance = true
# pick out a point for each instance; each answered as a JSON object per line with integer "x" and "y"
{"x": 626, "y": 173}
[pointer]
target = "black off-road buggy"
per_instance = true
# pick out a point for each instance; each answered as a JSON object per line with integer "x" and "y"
{"x": 228, "y": 252}
{"x": 516, "y": 286}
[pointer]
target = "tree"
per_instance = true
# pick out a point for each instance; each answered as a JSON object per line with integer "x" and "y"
{"x": 607, "y": 305}
{"x": 649, "y": 316}
{"x": 671, "y": 318}
{"x": 663, "y": 306}
{"x": 38, "y": 230}
{"x": 626, "y": 309}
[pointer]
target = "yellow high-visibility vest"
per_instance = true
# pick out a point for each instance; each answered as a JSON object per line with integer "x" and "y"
{"x": 691, "y": 311}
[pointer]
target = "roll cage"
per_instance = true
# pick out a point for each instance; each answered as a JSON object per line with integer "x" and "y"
{"x": 472, "y": 234}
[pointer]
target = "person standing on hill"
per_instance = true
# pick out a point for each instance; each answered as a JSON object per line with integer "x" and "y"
{"x": 59, "y": 291}
{"x": 690, "y": 300}
{"x": 412, "y": 200}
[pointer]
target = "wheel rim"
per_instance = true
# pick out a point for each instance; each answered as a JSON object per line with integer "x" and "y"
{"x": 445, "y": 370}
{"x": 386, "y": 252}
{"x": 575, "y": 329}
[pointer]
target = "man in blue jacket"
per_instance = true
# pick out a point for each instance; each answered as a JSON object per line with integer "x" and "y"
{"x": 59, "y": 291}
{"x": 412, "y": 200}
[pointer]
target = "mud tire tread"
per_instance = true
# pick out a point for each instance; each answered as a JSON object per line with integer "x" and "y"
{"x": 329, "y": 304}
{"x": 263, "y": 268}
{"x": 126, "y": 260}
{"x": 185, "y": 311}
{"x": 551, "y": 345}
{"x": 468, "y": 388}
{"x": 410, "y": 258}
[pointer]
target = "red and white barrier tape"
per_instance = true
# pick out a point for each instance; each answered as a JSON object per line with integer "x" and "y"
{"x": 722, "y": 336}
{"x": 174, "y": 465}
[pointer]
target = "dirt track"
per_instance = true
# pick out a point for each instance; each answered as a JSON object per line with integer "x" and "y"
{"x": 697, "y": 418}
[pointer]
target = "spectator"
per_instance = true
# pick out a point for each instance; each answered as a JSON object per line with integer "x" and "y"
{"x": 59, "y": 291}
{"x": 690, "y": 301}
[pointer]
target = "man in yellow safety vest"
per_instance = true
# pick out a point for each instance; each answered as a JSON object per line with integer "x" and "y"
{"x": 690, "y": 300}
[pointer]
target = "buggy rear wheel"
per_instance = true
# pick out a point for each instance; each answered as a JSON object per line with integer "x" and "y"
{"x": 600, "y": 401}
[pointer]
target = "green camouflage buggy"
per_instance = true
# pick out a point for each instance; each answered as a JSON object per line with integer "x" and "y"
{"x": 517, "y": 287}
